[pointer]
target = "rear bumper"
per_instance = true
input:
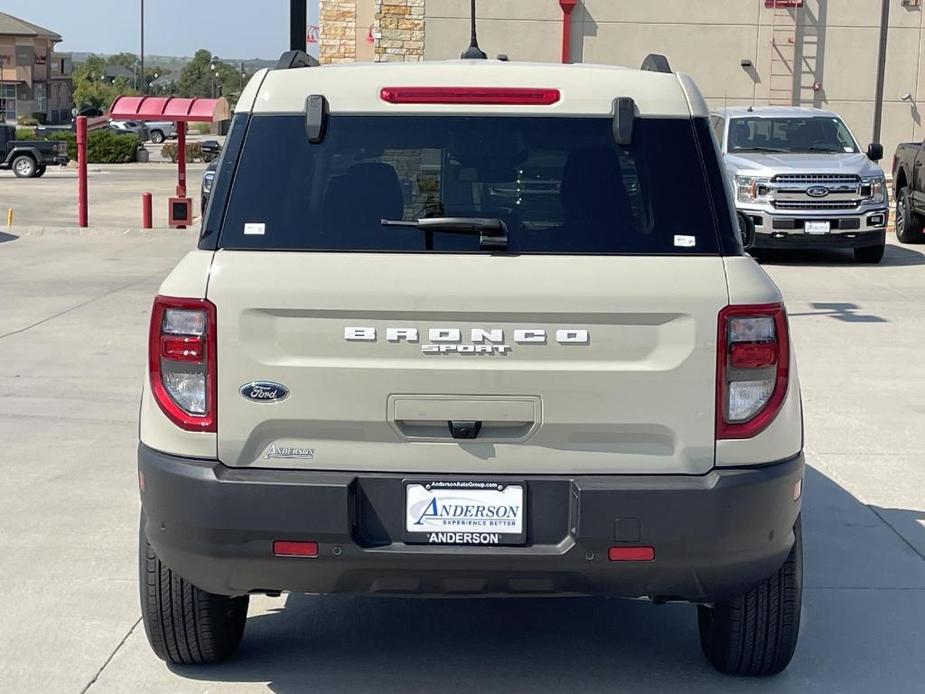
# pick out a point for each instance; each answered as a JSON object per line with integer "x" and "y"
{"x": 714, "y": 535}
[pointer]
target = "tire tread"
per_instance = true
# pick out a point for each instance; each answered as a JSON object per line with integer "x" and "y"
{"x": 756, "y": 633}
{"x": 184, "y": 624}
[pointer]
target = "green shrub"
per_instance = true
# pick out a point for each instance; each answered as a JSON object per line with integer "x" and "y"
{"x": 193, "y": 151}
{"x": 103, "y": 146}
{"x": 27, "y": 121}
{"x": 107, "y": 147}
{"x": 25, "y": 134}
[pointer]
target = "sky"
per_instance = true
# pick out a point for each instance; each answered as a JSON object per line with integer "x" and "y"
{"x": 232, "y": 28}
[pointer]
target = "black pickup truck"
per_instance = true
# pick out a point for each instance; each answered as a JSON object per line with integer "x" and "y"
{"x": 29, "y": 158}
{"x": 909, "y": 186}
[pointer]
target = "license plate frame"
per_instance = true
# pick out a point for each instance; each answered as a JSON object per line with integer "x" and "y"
{"x": 439, "y": 508}
{"x": 817, "y": 228}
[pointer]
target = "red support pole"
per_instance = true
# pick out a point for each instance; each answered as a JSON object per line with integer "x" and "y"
{"x": 181, "y": 159}
{"x": 567, "y": 7}
{"x": 146, "y": 210}
{"x": 81, "y": 171}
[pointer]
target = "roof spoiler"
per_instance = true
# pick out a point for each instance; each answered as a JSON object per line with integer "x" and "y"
{"x": 656, "y": 62}
{"x": 294, "y": 59}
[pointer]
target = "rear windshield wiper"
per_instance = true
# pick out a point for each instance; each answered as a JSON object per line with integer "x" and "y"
{"x": 492, "y": 232}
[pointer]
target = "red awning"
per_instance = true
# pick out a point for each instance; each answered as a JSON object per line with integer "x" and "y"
{"x": 172, "y": 108}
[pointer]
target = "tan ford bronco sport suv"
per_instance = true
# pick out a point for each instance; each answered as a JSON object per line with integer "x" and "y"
{"x": 471, "y": 328}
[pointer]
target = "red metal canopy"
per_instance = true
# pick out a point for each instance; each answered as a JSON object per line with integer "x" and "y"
{"x": 172, "y": 108}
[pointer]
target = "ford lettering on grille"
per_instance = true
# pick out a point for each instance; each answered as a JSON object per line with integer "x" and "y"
{"x": 478, "y": 341}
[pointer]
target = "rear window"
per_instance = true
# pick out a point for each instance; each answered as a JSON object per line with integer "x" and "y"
{"x": 560, "y": 185}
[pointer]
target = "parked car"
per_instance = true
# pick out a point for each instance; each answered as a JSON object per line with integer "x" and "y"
{"x": 211, "y": 149}
{"x": 137, "y": 128}
{"x": 161, "y": 130}
{"x": 909, "y": 188}
{"x": 207, "y": 179}
{"x": 29, "y": 158}
{"x": 343, "y": 396}
{"x": 801, "y": 177}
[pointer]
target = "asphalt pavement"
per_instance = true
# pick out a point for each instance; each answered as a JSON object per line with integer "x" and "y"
{"x": 73, "y": 319}
{"x": 114, "y": 193}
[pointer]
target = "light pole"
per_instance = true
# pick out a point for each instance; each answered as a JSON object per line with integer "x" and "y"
{"x": 213, "y": 66}
{"x": 143, "y": 82}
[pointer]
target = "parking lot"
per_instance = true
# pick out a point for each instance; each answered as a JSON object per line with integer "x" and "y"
{"x": 72, "y": 358}
{"x": 114, "y": 194}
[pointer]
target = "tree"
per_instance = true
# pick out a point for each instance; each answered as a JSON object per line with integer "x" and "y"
{"x": 196, "y": 76}
{"x": 93, "y": 88}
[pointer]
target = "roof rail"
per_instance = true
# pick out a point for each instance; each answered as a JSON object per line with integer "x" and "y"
{"x": 656, "y": 62}
{"x": 294, "y": 59}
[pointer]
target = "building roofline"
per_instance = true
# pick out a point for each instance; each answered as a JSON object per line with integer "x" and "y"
{"x": 14, "y": 26}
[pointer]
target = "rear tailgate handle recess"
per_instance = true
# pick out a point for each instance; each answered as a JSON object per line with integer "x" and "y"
{"x": 448, "y": 418}
{"x": 464, "y": 429}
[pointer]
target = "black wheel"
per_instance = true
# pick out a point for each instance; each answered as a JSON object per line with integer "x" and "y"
{"x": 24, "y": 166}
{"x": 39, "y": 171}
{"x": 186, "y": 625}
{"x": 756, "y": 633}
{"x": 909, "y": 228}
{"x": 157, "y": 137}
{"x": 869, "y": 254}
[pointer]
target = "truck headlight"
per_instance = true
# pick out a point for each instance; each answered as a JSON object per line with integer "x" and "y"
{"x": 750, "y": 188}
{"x": 874, "y": 189}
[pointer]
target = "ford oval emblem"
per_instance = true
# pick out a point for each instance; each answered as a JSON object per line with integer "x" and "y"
{"x": 264, "y": 391}
{"x": 817, "y": 191}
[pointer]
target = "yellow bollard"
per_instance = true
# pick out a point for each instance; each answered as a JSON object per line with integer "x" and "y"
{"x": 9, "y": 217}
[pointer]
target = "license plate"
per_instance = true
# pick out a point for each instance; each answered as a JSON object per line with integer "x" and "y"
{"x": 464, "y": 512}
{"x": 817, "y": 227}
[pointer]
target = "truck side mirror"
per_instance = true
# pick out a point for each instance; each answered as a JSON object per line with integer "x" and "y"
{"x": 746, "y": 230}
{"x": 875, "y": 151}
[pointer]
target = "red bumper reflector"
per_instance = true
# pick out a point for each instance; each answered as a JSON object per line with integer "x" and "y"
{"x": 631, "y": 553}
{"x": 753, "y": 355}
{"x": 293, "y": 548}
{"x": 519, "y": 96}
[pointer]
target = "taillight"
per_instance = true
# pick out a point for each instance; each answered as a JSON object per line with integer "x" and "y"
{"x": 182, "y": 361}
{"x": 752, "y": 368}
{"x": 511, "y": 96}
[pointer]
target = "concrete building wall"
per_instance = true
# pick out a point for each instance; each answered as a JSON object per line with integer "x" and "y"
{"x": 830, "y": 42}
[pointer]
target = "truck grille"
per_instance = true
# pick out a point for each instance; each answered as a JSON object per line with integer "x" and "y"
{"x": 818, "y": 179}
{"x": 816, "y": 204}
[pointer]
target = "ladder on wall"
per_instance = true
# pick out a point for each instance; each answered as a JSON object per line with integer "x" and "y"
{"x": 783, "y": 89}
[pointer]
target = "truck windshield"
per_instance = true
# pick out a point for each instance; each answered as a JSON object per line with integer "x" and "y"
{"x": 812, "y": 134}
{"x": 559, "y": 185}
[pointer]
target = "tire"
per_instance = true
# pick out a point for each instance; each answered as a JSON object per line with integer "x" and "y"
{"x": 40, "y": 171}
{"x": 869, "y": 254}
{"x": 24, "y": 166}
{"x": 157, "y": 137}
{"x": 186, "y": 625}
{"x": 909, "y": 228}
{"x": 756, "y": 633}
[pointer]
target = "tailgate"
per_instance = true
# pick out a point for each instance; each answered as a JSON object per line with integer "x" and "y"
{"x": 595, "y": 364}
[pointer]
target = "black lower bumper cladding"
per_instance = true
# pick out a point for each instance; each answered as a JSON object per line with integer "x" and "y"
{"x": 713, "y": 535}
